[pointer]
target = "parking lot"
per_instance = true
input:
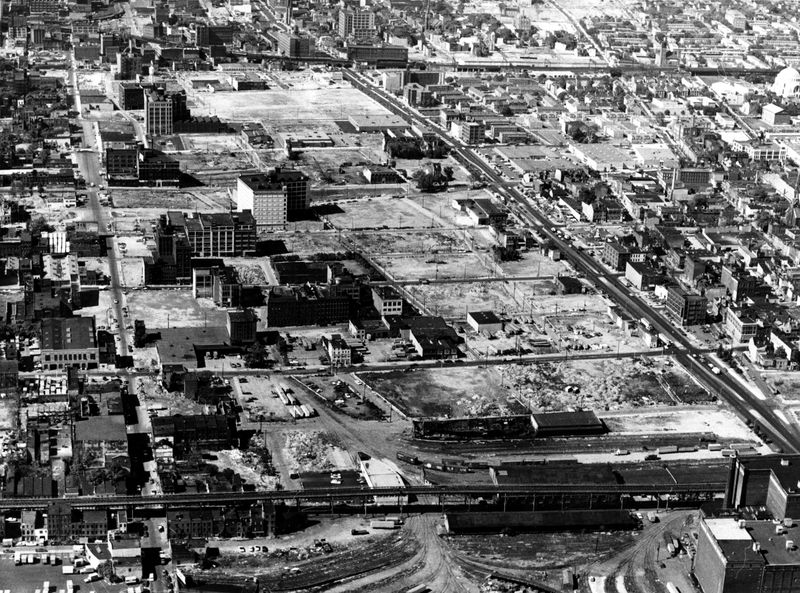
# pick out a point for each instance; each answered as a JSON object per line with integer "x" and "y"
{"x": 30, "y": 577}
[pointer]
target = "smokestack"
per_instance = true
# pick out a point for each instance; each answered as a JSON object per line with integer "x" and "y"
{"x": 289, "y": 11}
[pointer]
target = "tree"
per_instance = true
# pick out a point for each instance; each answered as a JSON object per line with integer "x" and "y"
{"x": 106, "y": 571}
{"x": 506, "y": 111}
{"x": 38, "y": 225}
{"x": 256, "y": 357}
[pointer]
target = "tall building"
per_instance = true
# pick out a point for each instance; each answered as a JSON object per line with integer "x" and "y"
{"x": 293, "y": 46}
{"x": 158, "y": 119}
{"x": 473, "y": 132}
{"x": 162, "y": 110}
{"x": 289, "y": 12}
{"x": 686, "y": 308}
{"x": 273, "y": 196}
{"x": 356, "y": 23}
{"x": 208, "y": 235}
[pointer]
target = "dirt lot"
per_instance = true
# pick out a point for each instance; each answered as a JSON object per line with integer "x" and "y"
{"x": 543, "y": 551}
{"x": 504, "y": 298}
{"x": 706, "y": 419}
{"x": 429, "y": 242}
{"x": 462, "y": 265}
{"x": 396, "y": 213}
{"x": 250, "y": 271}
{"x": 8, "y": 414}
{"x": 195, "y": 200}
{"x": 445, "y": 392}
{"x": 312, "y": 451}
{"x": 173, "y": 308}
{"x": 290, "y": 105}
{"x": 305, "y": 243}
{"x": 533, "y": 263}
{"x": 785, "y": 383}
{"x": 609, "y": 384}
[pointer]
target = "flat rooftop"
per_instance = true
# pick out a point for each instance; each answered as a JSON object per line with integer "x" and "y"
{"x": 736, "y": 541}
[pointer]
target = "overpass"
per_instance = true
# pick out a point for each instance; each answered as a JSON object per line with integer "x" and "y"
{"x": 365, "y": 494}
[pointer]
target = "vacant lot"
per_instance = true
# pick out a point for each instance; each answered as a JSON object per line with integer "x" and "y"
{"x": 195, "y": 200}
{"x": 210, "y": 142}
{"x": 173, "y": 308}
{"x": 723, "y": 423}
{"x": 445, "y": 392}
{"x": 543, "y": 550}
{"x": 504, "y": 298}
{"x": 607, "y": 384}
{"x": 411, "y": 242}
{"x": 533, "y": 263}
{"x": 435, "y": 267}
{"x": 290, "y": 105}
{"x": 383, "y": 212}
{"x": 305, "y": 243}
{"x": 8, "y": 413}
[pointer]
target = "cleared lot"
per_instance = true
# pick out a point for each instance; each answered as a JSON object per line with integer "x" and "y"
{"x": 606, "y": 384}
{"x": 290, "y": 105}
{"x": 383, "y": 212}
{"x": 173, "y": 308}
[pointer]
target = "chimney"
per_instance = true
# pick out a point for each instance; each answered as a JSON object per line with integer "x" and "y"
{"x": 756, "y": 547}
{"x": 789, "y": 544}
{"x": 784, "y": 462}
{"x": 742, "y": 523}
{"x": 778, "y": 529}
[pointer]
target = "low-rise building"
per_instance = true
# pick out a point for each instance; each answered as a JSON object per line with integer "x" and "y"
{"x": 387, "y": 301}
{"x": 69, "y": 342}
{"x": 484, "y": 321}
{"x": 339, "y": 351}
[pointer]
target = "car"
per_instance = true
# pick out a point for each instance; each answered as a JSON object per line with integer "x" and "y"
{"x": 116, "y": 301}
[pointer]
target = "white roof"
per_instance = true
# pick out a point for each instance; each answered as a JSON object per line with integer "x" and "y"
{"x": 379, "y": 474}
{"x": 727, "y": 530}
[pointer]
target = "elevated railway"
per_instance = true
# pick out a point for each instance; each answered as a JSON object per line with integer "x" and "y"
{"x": 363, "y": 494}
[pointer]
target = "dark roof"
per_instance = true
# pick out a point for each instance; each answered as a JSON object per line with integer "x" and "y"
{"x": 786, "y": 469}
{"x": 551, "y": 420}
{"x": 242, "y": 316}
{"x": 101, "y": 428}
{"x": 536, "y": 521}
{"x": 553, "y": 473}
{"x": 274, "y": 179}
{"x": 70, "y": 333}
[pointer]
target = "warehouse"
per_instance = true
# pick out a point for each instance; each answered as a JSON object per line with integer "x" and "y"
{"x": 769, "y": 481}
{"x": 488, "y": 427}
{"x": 567, "y": 424}
{"x": 552, "y": 473}
{"x": 745, "y": 556}
{"x": 529, "y": 522}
